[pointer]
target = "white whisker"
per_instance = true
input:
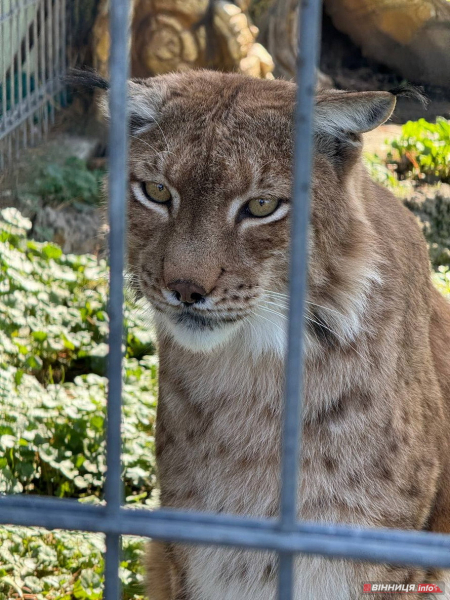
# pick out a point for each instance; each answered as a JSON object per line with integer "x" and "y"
{"x": 341, "y": 315}
{"x": 274, "y": 303}
{"x": 340, "y": 337}
{"x": 150, "y": 146}
{"x": 162, "y": 133}
{"x": 272, "y": 293}
{"x": 270, "y": 321}
{"x": 274, "y": 312}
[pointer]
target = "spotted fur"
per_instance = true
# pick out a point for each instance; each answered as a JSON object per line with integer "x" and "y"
{"x": 377, "y": 362}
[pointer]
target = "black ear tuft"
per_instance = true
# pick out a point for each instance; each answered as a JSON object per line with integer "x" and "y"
{"x": 86, "y": 78}
{"x": 413, "y": 92}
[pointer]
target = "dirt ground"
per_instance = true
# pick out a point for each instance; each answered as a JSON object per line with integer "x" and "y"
{"x": 375, "y": 141}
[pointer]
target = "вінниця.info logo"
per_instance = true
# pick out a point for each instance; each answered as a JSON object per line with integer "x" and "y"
{"x": 405, "y": 588}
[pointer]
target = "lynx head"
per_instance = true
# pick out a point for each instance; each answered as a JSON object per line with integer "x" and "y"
{"x": 211, "y": 159}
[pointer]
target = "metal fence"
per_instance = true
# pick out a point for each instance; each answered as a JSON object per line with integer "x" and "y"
{"x": 33, "y": 61}
{"x": 284, "y": 535}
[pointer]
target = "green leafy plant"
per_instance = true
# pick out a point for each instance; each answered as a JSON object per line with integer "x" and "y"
{"x": 385, "y": 174}
{"x": 53, "y": 312}
{"x": 423, "y": 150}
{"x": 441, "y": 280}
{"x": 52, "y": 438}
{"x": 71, "y": 182}
{"x": 53, "y": 328}
{"x": 40, "y": 565}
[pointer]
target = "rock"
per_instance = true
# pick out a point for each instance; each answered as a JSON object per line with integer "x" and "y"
{"x": 412, "y": 37}
{"x": 175, "y": 35}
{"x": 74, "y": 231}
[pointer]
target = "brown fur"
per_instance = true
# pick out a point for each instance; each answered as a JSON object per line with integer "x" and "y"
{"x": 377, "y": 364}
{"x": 161, "y": 572}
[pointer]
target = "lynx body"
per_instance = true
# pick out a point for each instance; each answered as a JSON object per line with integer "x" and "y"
{"x": 208, "y": 246}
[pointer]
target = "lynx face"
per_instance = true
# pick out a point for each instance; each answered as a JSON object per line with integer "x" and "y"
{"x": 210, "y": 199}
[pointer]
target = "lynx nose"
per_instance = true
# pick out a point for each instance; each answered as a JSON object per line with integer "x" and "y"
{"x": 187, "y": 292}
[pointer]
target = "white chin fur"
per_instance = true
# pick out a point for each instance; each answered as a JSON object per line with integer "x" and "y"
{"x": 196, "y": 340}
{"x": 255, "y": 335}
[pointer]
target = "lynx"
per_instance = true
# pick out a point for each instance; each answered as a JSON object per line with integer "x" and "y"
{"x": 208, "y": 247}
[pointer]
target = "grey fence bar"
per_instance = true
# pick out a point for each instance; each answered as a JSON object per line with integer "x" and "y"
{"x": 33, "y": 62}
{"x": 375, "y": 545}
{"x": 117, "y": 178}
{"x": 308, "y": 46}
{"x": 284, "y": 535}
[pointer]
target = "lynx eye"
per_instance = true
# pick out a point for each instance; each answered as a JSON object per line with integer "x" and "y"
{"x": 157, "y": 192}
{"x": 262, "y": 207}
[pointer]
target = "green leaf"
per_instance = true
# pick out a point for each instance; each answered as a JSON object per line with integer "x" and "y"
{"x": 33, "y": 584}
{"x": 39, "y": 336}
{"x": 34, "y": 362}
{"x": 89, "y": 586}
{"x": 18, "y": 376}
{"x": 52, "y": 251}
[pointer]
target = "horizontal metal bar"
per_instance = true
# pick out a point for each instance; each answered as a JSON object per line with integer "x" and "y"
{"x": 340, "y": 541}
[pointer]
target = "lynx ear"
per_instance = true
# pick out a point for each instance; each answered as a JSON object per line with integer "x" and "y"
{"x": 144, "y": 98}
{"x": 85, "y": 78}
{"x": 341, "y": 114}
{"x": 143, "y": 104}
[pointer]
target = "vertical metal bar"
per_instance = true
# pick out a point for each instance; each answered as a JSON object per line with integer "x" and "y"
{"x": 17, "y": 79}
{"x": 43, "y": 63}
{"x": 50, "y": 60}
{"x": 286, "y": 581}
{"x": 20, "y": 10}
{"x": 8, "y": 114}
{"x": 28, "y": 74}
{"x": 8, "y": 28}
{"x": 112, "y": 562}
{"x": 117, "y": 194}
{"x": 57, "y": 58}
{"x": 35, "y": 94}
{"x": 39, "y": 68}
{"x": 65, "y": 48}
{"x": 72, "y": 23}
{"x": 15, "y": 107}
{"x": 310, "y": 13}
{"x": 3, "y": 72}
{"x": 21, "y": 60}
{"x": 10, "y": 148}
{"x": 117, "y": 197}
{"x": 3, "y": 84}
{"x": 12, "y": 75}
